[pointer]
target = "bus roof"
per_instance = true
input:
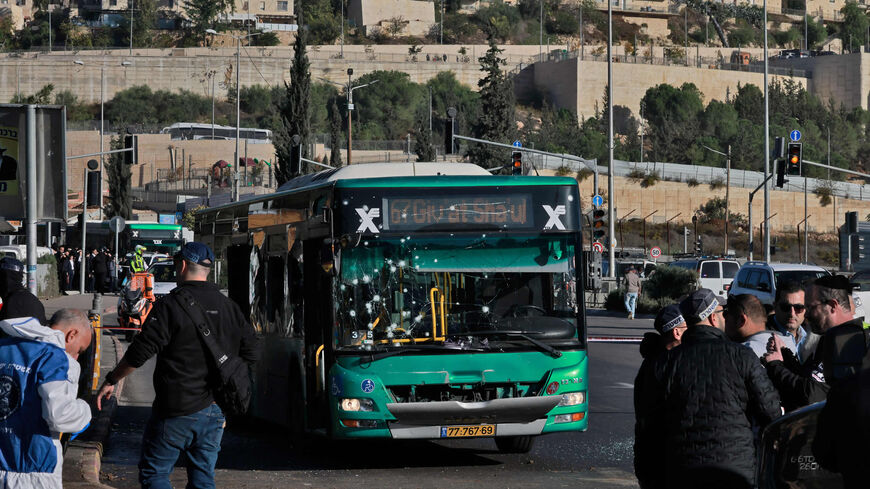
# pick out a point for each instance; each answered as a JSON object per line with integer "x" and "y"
{"x": 393, "y": 175}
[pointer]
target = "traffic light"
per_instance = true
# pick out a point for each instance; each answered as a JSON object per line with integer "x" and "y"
{"x": 295, "y": 155}
{"x": 793, "y": 158}
{"x": 599, "y": 224}
{"x": 780, "y": 173}
{"x": 129, "y": 143}
{"x": 699, "y": 246}
{"x": 93, "y": 196}
{"x": 516, "y": 163}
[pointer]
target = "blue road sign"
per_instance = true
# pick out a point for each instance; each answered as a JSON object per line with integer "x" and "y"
{"x": 597, "y": 200}
{"x": 517, "y": 144}
{"x": 795, "y": 135}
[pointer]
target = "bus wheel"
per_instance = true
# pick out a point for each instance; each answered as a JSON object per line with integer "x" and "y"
{"x": 515, "y": 444}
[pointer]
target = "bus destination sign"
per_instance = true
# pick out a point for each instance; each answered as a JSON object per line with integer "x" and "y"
{"x": 407, "y": 213}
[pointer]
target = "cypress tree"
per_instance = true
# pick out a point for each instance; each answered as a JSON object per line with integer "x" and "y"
{"x": 423, "y": 145}
{"x": 118, "y": 174}
{"x": 294, "y": 112}
{"x": 335, "y": 135}
{"x": 497, "y": 122}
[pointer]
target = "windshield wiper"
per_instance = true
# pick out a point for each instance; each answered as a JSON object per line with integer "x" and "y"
{"x": 517, "y": 334}
{"x": 382, "y": 353}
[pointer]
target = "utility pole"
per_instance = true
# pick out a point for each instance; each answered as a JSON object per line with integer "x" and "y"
{"x": 766, "y": 145}
{"x": 541, "y": 33}
{"x": 611, "y": 195}
{"x": 686, "y": 11}
{"x": 131, "y": 27}
{"x": 668, "y": 230}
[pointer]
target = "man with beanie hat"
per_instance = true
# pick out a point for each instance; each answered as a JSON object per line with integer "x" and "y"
{"x": 648, "y": 458}
{"x": 17, "y": 300}
{"x": 706, "y": 393}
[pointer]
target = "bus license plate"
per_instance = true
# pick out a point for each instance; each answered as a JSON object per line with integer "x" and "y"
{"x": 467, "y": 431}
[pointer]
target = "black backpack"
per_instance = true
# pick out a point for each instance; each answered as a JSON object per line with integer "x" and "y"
{"x": 231, "y": 383}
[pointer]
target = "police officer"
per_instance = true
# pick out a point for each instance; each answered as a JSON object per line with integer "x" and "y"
{"x": 138, "y": 263}
{"x": 184, "y": 404}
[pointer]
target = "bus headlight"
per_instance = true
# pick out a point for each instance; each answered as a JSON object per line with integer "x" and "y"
{"x": 573, "y": 398}
{"x": 354, "y": 404}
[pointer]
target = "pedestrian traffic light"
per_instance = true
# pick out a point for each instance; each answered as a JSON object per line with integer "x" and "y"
{"x": 794, "y": 158}
{"x": 780, "y": 173}
{"x": 516, "y": 163}
{"x": 599, "y": 225}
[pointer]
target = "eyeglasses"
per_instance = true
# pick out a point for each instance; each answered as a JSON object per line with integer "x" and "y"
{"x": 798, "y": 308}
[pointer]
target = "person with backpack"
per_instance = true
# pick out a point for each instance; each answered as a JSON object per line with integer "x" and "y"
{"x": 189, "y": 383}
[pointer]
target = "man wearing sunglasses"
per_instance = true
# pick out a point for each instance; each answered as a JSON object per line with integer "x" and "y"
{"x": 744, "y": 323}
{"x": 829, "y": 313}
{"x": 789, "y": 310}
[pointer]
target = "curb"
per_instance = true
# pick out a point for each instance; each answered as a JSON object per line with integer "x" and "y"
{"x": 83, "y": 458}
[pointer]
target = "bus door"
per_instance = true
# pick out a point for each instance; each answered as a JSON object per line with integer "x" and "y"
{"x": 238, "y": 276}
{"x": 317, "y": 297}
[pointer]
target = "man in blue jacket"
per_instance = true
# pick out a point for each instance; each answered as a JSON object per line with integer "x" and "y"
{"x": 38, "y": 384}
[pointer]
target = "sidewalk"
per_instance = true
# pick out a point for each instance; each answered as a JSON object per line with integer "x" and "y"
{"x": 82, "y": 460}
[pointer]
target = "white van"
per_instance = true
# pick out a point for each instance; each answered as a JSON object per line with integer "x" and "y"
{"x": 715, "y": 274}
{"x": 19, "y": 252}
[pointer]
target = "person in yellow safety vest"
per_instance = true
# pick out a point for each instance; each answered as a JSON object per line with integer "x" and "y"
{"x": 138, "y": 263}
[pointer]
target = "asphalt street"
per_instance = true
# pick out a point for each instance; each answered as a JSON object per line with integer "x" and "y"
{"x": 264, "y": 456}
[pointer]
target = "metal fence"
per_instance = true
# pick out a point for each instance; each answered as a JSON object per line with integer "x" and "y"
{"x": 646, "y": 56}
{"x": 705, "y": 175}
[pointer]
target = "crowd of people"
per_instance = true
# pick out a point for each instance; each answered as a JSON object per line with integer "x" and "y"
{"x": 99, "y": 266}
{"x": 717, "y": 371}
{"x": 40, "y": 373}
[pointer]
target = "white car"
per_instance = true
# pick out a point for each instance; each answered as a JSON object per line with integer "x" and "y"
{"x": 164, "y": 277}
{"x": 761, "y": 279}
{"x": 715, "y": 274}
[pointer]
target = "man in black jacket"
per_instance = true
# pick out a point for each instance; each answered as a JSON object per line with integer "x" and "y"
{"x": 17, "y": 300}
{"x": 829, "y": 313}
{"x": 707, "y": 394}
{"x": 184, "y": 404}
{"x": 648, "y": 457}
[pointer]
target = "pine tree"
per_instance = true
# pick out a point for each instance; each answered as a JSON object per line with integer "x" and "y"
{"x": 335, "y": 135}
{"x": 497, "y": 122}
{"x": 294, "y": 112}
{"x": 118, "y": 174}
{"x": 423, "y": 145}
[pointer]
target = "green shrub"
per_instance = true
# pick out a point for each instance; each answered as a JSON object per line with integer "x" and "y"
{"x": 670, "y": 283}
{"x": 615, "y": 301}
{"x": 692, "y": 182}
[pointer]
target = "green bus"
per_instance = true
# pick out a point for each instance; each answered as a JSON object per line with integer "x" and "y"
{"x": 156, "y": 237}
{"x": 424, "y": 301}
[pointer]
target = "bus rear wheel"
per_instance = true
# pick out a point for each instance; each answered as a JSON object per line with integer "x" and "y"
{"x": 515, "y": 444}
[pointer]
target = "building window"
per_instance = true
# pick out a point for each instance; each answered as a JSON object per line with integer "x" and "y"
{"x": 283, "y": 6}
{"x": 262, "y": 5}
{"x": 113, "y": 3}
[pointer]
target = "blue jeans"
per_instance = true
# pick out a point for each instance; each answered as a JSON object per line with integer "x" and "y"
{"x": 630, "y": 302}
{"x": 198, "y": 435}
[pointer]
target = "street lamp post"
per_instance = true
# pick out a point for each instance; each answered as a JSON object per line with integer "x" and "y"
{"x": 727, "y": 188}
{"x": 350, "y": 90}
{"x": 238, "y": 109}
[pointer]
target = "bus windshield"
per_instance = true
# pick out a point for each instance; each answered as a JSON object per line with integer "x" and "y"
{"x": 395, "y": 292}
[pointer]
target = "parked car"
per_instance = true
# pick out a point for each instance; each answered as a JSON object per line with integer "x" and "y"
{"x": 761, "y": 279}
{"x": 786, "y": 457}
{"x": 164, "y": 277}
{"x": 715, "y": 274}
